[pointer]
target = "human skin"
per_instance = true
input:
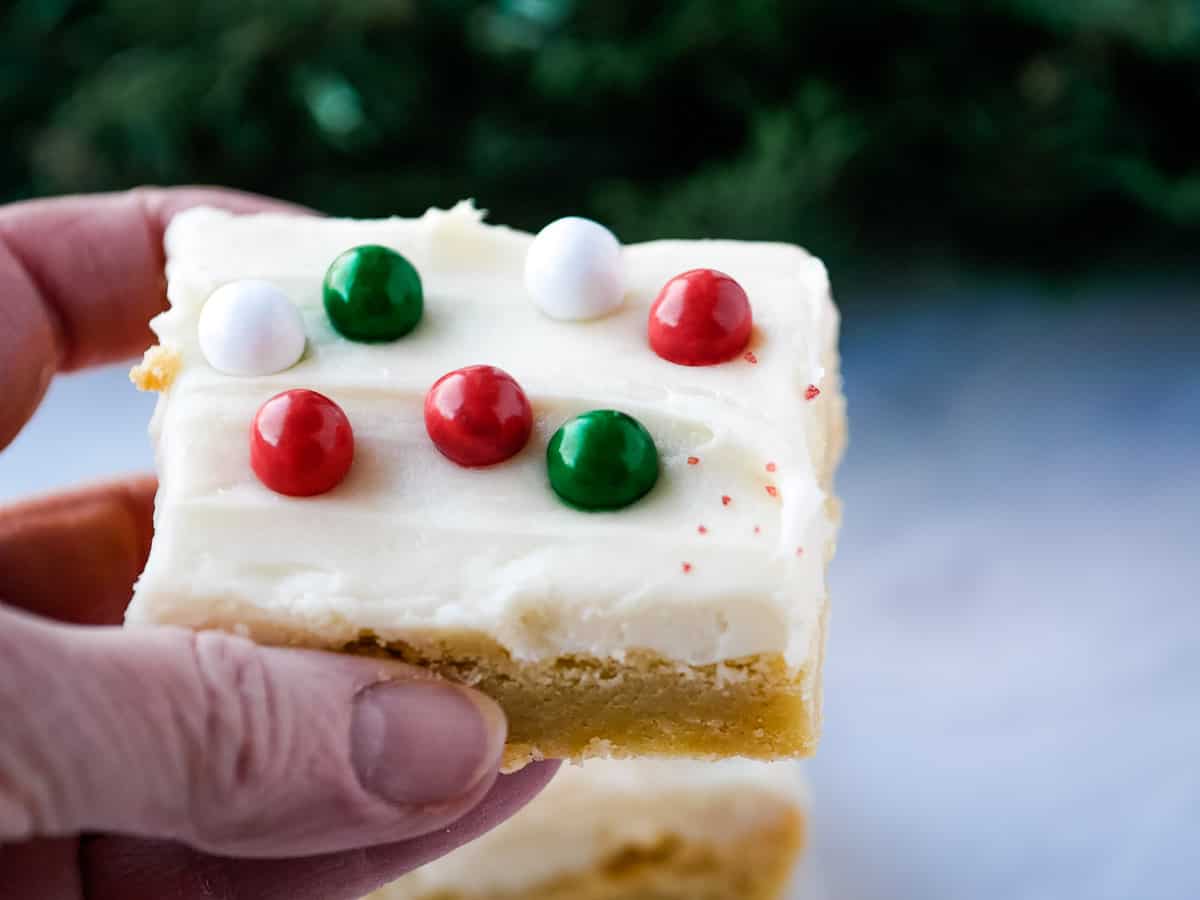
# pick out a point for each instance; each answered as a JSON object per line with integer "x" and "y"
{"x": 157, "y": 762}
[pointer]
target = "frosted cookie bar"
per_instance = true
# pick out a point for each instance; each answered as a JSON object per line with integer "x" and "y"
{"x": 632, "y": 830}
{"x": 592, "y": 480}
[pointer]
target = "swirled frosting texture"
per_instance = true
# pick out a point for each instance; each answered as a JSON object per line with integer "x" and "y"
{"x": 710, "y": 566}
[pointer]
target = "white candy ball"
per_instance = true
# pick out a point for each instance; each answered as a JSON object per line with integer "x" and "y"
{"x": 250, "y": 328}
{"x": 574, "y": 271}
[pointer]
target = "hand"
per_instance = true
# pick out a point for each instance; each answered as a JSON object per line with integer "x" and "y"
{"x": 157, "y": 762}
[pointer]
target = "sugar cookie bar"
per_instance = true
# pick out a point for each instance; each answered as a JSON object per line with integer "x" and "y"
{"x": 634, "y": 830}
{"x": 592, "y": 480}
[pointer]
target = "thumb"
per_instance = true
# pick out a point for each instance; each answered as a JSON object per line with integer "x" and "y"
{"x": 230, "y": 747}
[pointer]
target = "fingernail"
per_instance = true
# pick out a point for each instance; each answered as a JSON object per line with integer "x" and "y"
{"x": 419, "y": 743}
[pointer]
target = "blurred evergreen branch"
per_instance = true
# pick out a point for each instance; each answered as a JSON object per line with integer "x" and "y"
{"x": 1053, "y": 133}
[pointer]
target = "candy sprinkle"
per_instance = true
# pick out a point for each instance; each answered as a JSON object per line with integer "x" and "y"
{"x": 574, "y": 271}
{"x": 701, "y": 529}
{"x": 301, "y": 444}
{"x": 250, "y": 328}
{"x": 478, "y": 416}
{"x": 602, "y": 460}
{"x": 700, "y": 318}
{"x": 693, "y": 460}
{"x": 687, "y": 567}
{"x": 372, "y": 294}
{"x": 772, "y": 490}
{"x": 770, "y": 467}
{"x": 751, "y": 358}
{"x": 726, "y": 500}
{"x": 812, "y": 393}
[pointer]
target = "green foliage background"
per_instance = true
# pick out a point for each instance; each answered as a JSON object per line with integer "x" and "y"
{"x": 1047, "y": 134}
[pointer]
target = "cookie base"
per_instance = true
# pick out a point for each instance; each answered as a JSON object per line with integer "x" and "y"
{"x": 575, "y": 707}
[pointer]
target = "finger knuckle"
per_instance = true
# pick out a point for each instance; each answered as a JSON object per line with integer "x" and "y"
{"x": 242, "y": 747}
{"x": 18, "y": 812}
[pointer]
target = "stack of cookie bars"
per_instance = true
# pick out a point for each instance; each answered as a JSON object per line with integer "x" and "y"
{"x": 592, "y": 480}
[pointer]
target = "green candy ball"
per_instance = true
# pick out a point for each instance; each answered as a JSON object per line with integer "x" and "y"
{"x": 373, "y": 294}
{"x": 602, "y": 459}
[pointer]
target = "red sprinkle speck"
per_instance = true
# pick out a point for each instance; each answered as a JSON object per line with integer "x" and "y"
{"x": 772, "y": 490}
{"x": 812, "y": 393}
{"x": 799, "y": 551}
{"x": 757, "y": 529}
{"x": 702, "y": 529}
{"x": 751, "y": 358}
{"x": 770, "y": 467}
{"x": 726, "y": 500}
{"x": 687, "y": 567}
{"x": 693, "y": 460}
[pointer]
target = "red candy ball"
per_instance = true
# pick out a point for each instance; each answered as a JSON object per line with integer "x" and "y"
{"x": 699, "y": 318}
{"x": 301, "y": 443}
{"x": 478, "y": 416}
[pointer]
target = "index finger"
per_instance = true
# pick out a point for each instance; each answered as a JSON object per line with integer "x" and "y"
{"x": 80, "y": 277}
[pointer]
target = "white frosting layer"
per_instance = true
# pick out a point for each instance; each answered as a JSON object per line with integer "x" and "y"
{"x": 411, "y": 545}
{"x": 590, "y": 813}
